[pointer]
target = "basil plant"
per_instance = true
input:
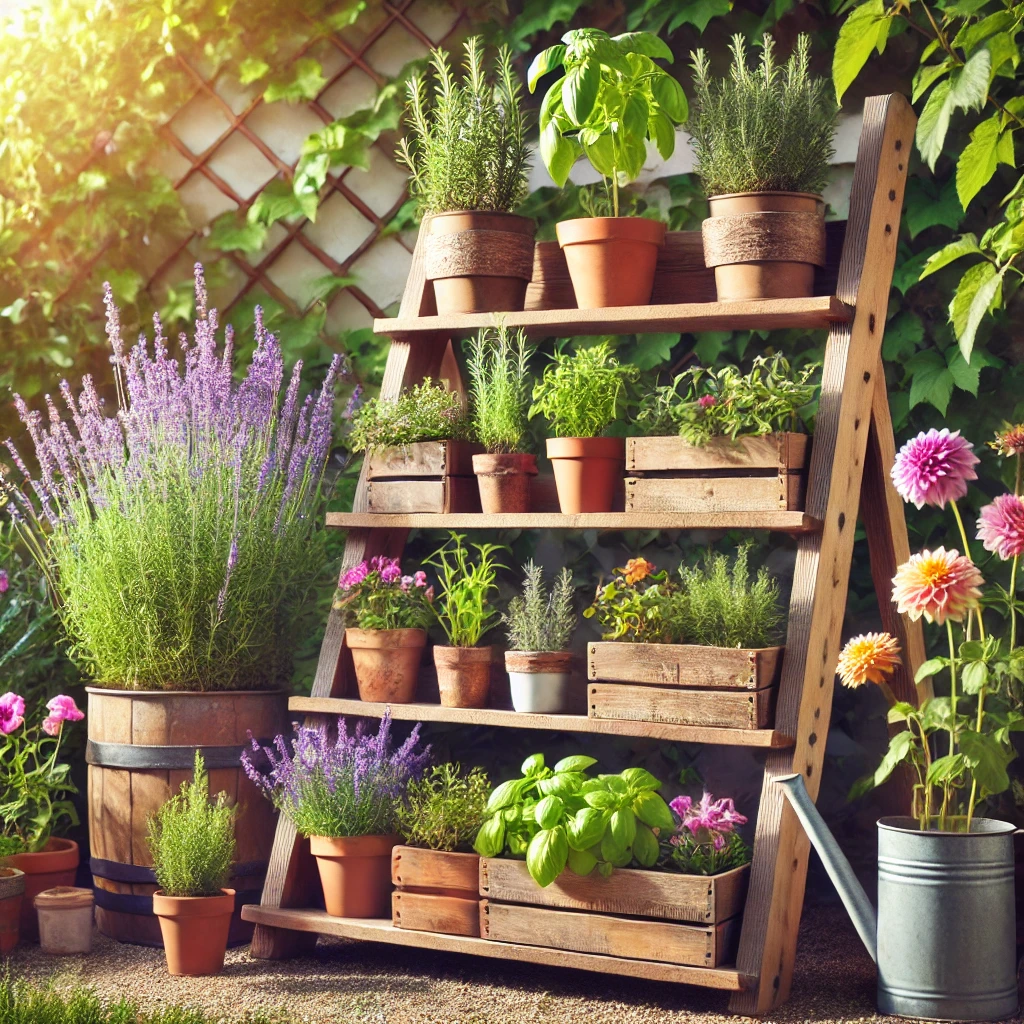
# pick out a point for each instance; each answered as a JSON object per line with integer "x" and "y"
{"x": 610, "y": 101}
{"x": 561, "y": 816}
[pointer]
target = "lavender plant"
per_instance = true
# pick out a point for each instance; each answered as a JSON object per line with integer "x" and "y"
{"x": 346, "y": 786}
{"x": 180, "y": 535}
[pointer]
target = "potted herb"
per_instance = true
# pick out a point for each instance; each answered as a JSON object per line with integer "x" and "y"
{"x": 386, "y": 616}
{"x": 540, "y": 626}
{"x": 463, "y": 608}
{"x": 436, "y": 874}
{"x": 341, "y": 792}
{"x": 763, "y": 142}
{"x": 581, "y": 394}
{"x": 611, "y": 100}
{"x": 192, "y": 841}
{"x": 468, "y": 164}
{"x": 500, "y": 396}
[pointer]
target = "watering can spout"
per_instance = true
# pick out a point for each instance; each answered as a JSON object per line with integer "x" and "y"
{"x": 858, "y": 906}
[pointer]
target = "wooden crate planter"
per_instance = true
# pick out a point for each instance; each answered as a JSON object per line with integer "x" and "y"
{"x": 751, "y": 474}
{"x": 435, "y": 891}
{"x": 684, "y": 684}
{"x": 429, "y": 476}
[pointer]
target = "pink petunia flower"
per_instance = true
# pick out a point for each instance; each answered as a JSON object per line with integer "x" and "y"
{"x": 64, "y": 709}
{"x": 419, "y": 579}
{"x": 706, "y": 401}
{"x": 937, "y": 584}
{"x": 354, "y": 576}
{"x": 12, "y": 713}
{"x": 4, "y": 581}
{"x": 934, "y": 467}
{"x": 1001, "y": 526}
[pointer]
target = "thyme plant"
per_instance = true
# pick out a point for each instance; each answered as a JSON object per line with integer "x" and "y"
{"x": 538, "y": 620}
{"x": 465, "y": 148}
{"x": 425, "y": 412}
{"x": 444, "y": 809}
{"x": 499, "y": 389}
{"x": 463, "y": 605}
{"x": 767, "y": 129}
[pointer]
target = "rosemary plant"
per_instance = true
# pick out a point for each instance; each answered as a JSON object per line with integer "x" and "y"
{"x": 499, "y": 389}
{"x": 537, "y": 620}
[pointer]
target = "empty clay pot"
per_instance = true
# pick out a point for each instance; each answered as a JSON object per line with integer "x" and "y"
{"x": 611, "y": 260}
{"x": 387, "y": 662}
{"x": 540, "y": 681}
{"x": 12, "y": 892}
{"x": 355, "y": 872}
{"x": 588, "y": 472}
{"x": 463, "y": 676}
{"x": 195, "y": 931}
{"x": 65, "y": 920}
{"x": 479, "y": 262}
{"x": 505, "y": 481}
{"x": 54, "y": 866}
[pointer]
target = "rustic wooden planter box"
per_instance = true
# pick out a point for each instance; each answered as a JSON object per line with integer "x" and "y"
{"x": 435, "y": 891}
{"x": 429, "y": 476}
{"x": 751, "y": 474}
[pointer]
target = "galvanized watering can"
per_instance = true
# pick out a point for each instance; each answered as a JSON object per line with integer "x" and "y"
{"x": 943, "y": 938}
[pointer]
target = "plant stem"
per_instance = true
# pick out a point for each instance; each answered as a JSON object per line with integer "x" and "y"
{"x": 615, "y": 192}
{"x": 967, "y": 553}
{"x": 952, "y": 712}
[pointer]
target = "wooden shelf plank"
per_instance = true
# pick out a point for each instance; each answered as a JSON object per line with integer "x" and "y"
{"x": 764, "y": 314}
{"x": 382, "y": 930}
{"x": 765, "y": 738}
{"x": 780, "y": 522}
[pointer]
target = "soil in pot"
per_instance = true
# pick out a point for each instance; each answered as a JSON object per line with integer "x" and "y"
{"x": 588, "y": 472}
{"x": 387, "y": 662}
{"x": 54, "y": 866}
{"x": 355, "y": 872}
{"x": 611, "y": 260}
{"x": 195, "y": 931}
{"x": 463, "y": 676}
{"x": 540, "y": 681}
{"x": 505, "y": 481}
{"x": 12, "y": 893}
{"x": 479, "y": 262}
{"x": 65, "y": 920}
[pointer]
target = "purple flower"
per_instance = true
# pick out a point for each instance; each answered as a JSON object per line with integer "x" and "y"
{"x": 710, "y": 821}
{"x": 12, "y": 713}
{"x": 934, "y": 468}
{"x": 354, "y": 576}
{"x": 391, "y": 572}
{"x": 4, "y": 581}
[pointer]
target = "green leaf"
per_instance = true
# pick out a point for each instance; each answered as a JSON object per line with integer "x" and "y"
{"x": 926, "y": 76}
{"x": 646, "y": 43}
{"x": 900, "y": 712}
{"x": 900, "y": 747}
{"x": 614, "y": 852}
{"x": 533, "y": 764}
{"x": 545, "y": 61}
{"x": 575, "y": 763}
{"x": 976, "y": 294}
{"x": 601, "y": 799}
{"x": 903, "y": 334}
{"x": 645, "y": 847}
{"x": 653, "y": 350}
{"x": 229, "y": 235}
{"x": 660, "y": 129}
{"x": 490, "y": 840}
{"x": 671, "y": 99}
{"x": 935, "y": 714}
{"x": 557, "y": 152}
{"x": 634, "y": 115}
{"x": 866, "y": 29}
{"x": 974, "y": 33}
{"x": 969, "y": 84}
{"x": 652, "y": 810}
{"x": 251, "y": 70}
{"x": 640, "y": 778}
{"x": 547, "y": 854}
{"x": 930, "y": 206}
{"x": 974, "y": 676}
{"x": 581, "y": 862}
{"x": 276, "y": 202}
{"x": 965, "y": 245}
{"x": 601, "y": 154}
{"x": 934, "y": 123}
{"x": 977, "y": 163}
{"x": 987, "y": 759}
{"x": 930, "y": 380}
{"x": 945, "y": 769}
{"x": 623, "y": 827}
{"x": 586, "y": 828}
{"x": 506, "y": 794}
{"x": 579, "y": 91}
{"x": 307, "y": 83}
{"x": 548, "y": 811}
{"x": 698, "y": 13}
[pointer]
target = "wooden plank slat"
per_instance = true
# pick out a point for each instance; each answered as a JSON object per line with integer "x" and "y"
{"x": 426, "y": 870}
{"x": 727, "y": 668}
{"x": 786, "y": 451}
{"x": 449, "y": 494}
{"x": 722, "y": 709}
{"x": 426, "y": 912}
{"x": 422, "y": 459}
{"x": 702, "y": 494}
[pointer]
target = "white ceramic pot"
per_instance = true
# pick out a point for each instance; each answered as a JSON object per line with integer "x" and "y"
{"x": 65, "y": 920}
{"x": 541, "y": 681}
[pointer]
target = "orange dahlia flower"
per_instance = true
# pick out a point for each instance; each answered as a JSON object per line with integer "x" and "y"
{"x": 937, "y": 584}
{"x": 868, "y": 658}
{"x": 637, "y": 569}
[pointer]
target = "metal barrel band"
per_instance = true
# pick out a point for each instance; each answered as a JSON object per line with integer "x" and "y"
{"x": 137, "y": 874}
{"x": 173, "y": 758}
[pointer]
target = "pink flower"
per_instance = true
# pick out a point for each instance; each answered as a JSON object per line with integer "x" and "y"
{"x": 420, "y": 578}
{"x": 64, "y": 709}
{"x": 681, "y": 805}
{"x": 406, "y": 583}
{"x": 390, "y": 573}
{"x": 4, "y": 581}
{"x": 354, "y": 576}
{"x": 1001, "y": 526}
{"x": 710, "y": 821}
{"x": 12, "y": 713}
{"x": 937, "y": 584}
{"x": 934, "y": 467}
{"x": 706, "y": 401}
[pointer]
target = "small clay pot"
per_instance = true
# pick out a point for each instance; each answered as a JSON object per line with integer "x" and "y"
{"x": 387, "y": 662}
{"x": 764, "y": 245}
{"x": 505, "y": 481}
{"x": 12, "y": 893}
{"x": 611, "y": 260}
{"x": 463, "y": 676}
{"x": 195, "y": 931}
{"x": 588, "y": 472}
{"x": 479, "y": 262}
{"x": 355, "y": 872}
{"x": 55, "y": 865}
{"x": 540, "y": 681}
{"x": 65, "y": 920}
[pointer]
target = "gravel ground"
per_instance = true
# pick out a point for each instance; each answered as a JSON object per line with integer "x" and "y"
{"x": 348, "y": 982}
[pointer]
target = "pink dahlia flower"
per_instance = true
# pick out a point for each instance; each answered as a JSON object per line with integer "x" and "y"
{"x": 12, "y": 713}
{"x": 937, "y": 584}
{"x": 934, "y": 467}
{"x": 1001, "y": 526}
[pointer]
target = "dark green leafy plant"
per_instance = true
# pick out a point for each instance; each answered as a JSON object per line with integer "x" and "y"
{"x": 634, "y": 605}
{"x": 444, "y": 809}
{"x": 766, "y": 130}
{"x": 425, "y": 412}
{"x": 463, "y": 604}
{"x": 499, "y": 389}
{"x": 537, "y": 620}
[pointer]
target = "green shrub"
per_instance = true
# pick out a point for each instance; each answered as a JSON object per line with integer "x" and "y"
{"x": 537, "y": 620}
{"x": 463, "y": 605}
{"x": 444, "y": 809}
{"x": 499, "y": 389}
{"x": 763, "y": 130}
{"x": 192, "y": 839}
{"x": 425, "y": 412}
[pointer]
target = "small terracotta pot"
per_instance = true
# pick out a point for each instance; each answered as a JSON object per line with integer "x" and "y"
{"x": 355, "y": 872}
{"x": 611, "y": 260}
{"x": 764, "y": 245}
{"x": 463, "y": 676}
{"x": 505, "y": 481}
{"x": 540, "y": 681}
{"x": 65, "y": 920}
{"x": 588, "y": 472}
{"x": 195, "y": 931}
{"x": 479, "y": 262}
{"x": 54, "y": 866}
{"x": 12, "y": 892}
{"x": 387, "y": 662}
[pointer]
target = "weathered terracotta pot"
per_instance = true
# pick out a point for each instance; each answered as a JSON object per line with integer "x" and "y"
{"x": 355, "y": 872}
{"x": 764, "y": 245}
{"x": 611, "y": 260}
{"x": 540, "y": 681}
{"x": 195, "y": 931}
{"x": 12, "y": 892}
{"x": 505, "y": 481}
{"x": 588, "y": 472}
{"x": 387, "y": 662}
{"x": 65, "y": 920}
{"x": 479, "y": 262}
{"x": 52, "y": 867}
{"x": 463, "y": 676}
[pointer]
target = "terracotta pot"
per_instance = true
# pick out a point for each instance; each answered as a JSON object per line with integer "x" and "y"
{"x": 588, "y": 472}
{"x": 463, "y": 676}
{"x": 387, "y": 662}
{"x": 12, "y": 892}
{"x": 764, "y": 245}
{"x": 195, "y": 931}
{"x": 54, "y": 866}
{"x": 540, "y": 681}
{"x": 355, "y": 872}
{"x": 65, "y": 920}
{"x": 479, "y": 262}
{"x": 505, "y": 481}
{"x": 611, "y": 260}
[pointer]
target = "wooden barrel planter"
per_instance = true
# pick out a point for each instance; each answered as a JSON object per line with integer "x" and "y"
{"x": 141, "y": 748}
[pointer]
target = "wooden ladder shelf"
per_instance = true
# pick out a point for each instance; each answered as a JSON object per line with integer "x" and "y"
{"x": 853, "y": 448}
